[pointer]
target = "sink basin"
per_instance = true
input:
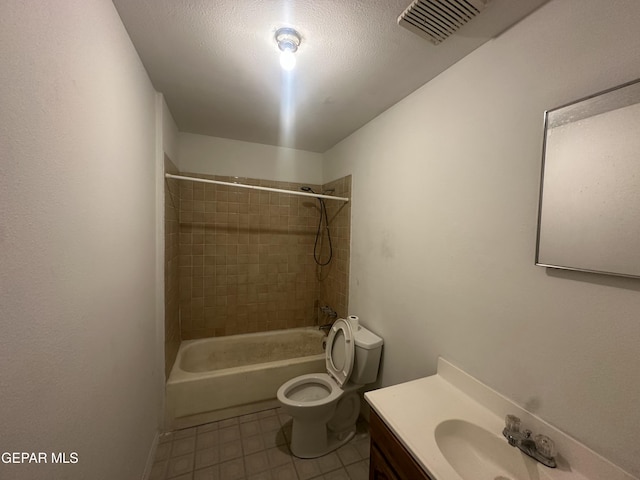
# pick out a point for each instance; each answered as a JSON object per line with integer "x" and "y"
{"x": 477, "y": 454}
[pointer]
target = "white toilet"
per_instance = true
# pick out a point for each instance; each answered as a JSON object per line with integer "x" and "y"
{"x": 325, "y": 406}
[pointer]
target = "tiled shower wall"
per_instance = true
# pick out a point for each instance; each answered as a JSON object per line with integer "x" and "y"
{"x": 246, "y": 257}
{"x": 333, "y": 285}
{"x": 171, "y": 258}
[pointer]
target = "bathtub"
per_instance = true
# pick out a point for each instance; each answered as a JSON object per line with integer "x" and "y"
{"x": 217, "y": 374}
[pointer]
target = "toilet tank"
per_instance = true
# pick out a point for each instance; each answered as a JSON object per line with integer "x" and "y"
{"x": 367, "y": 356}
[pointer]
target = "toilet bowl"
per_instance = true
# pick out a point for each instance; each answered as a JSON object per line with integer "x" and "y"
{"x": 314, "y": 395}
{"x": 311, "y": 401}
{"x": 325, "y": 406}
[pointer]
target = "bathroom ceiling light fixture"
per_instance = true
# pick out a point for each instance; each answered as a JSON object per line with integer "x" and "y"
{"x": 288, "y": 40}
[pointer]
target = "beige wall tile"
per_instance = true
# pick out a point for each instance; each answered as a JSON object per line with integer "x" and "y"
{"x": 245, "y": 259}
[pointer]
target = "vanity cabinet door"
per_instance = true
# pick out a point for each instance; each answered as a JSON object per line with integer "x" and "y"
{"x": 389, "y": 459}
{"x": 379, "y": 469}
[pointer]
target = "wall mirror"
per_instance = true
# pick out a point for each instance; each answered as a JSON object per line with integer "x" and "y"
{"x": 589, "y": 211}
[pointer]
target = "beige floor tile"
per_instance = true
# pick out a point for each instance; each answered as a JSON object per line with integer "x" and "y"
{"x": 262, "y": 476}
{"x": 269, "y": 424}
{"x": 282, "y": 416}
{"x": 337, "y": 475}
{"x": 207, "y": 457}
{"x": 232, "y": 470}
{"x": 253, "y": 444}
{"x": 248, "y": 429}
{"x": 230, "y": 450}
{"x": 329, "y": 462}
{"x": 180, "y": 465}
{"x": 349, "y": 454}
{"x": 362, "y": 446}
{"x": 358, "y": 470}
{"x": 284, "y": 472}
{"x": 256, "y": 463}
{"x": 229, "y": 434}
{"x": 209, "y": 473}
{"x": 279, "y": 456}
{"x": 307, "y": 469}
{"x": 254, "y": 447}
{"x": 274, "y": 438}
{"x": 207, "y": 440}
{"x": 183, "y": 446}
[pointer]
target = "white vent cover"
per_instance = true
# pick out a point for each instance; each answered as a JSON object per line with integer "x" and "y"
{"x": 436, "y": 20}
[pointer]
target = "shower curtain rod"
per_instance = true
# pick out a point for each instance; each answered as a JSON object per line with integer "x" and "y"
{"x": 255, "y": 187}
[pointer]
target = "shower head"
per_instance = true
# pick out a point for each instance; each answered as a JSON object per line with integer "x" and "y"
{"x": 307, "y": 189}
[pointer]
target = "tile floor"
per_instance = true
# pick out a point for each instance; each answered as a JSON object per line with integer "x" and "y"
{"x": 254, "y": 447}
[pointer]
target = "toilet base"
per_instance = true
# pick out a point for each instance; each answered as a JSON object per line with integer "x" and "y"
{"x": 312, "y": 438}
{"x": 313, "y": 441}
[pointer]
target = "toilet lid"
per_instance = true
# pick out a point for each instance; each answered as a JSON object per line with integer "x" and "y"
{"x": 340, "y": 352}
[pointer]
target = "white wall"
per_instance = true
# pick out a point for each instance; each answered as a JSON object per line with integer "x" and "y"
{"x": 78, "y": 370}
{"x": 445, "y": 192}
{"x": 169, "y": 133}
{"x": 222, "y": 156}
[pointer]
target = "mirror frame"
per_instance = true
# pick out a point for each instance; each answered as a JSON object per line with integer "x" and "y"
{"x": 610, "y": 100}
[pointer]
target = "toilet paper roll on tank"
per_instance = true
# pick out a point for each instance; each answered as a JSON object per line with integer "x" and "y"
{"x": 364, "y": 338}
{"x": 354, "y": 322}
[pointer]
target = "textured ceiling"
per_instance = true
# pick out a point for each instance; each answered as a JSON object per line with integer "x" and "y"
{"x": 216, "y": 63}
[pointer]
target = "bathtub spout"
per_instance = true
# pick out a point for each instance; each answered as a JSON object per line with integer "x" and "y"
{"x": 325, "y": 328}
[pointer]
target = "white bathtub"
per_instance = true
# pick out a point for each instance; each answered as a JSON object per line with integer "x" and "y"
{"x": 217, "y": 374}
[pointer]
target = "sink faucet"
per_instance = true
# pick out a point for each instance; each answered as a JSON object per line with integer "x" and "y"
{"x": 541, "y": 448}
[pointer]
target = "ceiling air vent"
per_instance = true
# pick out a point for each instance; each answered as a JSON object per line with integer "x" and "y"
{"x": 436, "y": 20}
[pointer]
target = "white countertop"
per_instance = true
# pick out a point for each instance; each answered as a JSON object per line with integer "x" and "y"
{"x": 414, "y": 409}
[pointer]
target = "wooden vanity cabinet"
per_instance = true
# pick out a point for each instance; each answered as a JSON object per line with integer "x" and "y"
{"x": 389, "y": 459}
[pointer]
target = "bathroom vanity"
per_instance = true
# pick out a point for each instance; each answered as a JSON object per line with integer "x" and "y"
{"x": 390, "y": 460}
{"x": 449, "y": 427}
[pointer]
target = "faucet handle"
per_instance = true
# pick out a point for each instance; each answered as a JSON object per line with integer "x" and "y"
{"x": 545, "y": 446}
{"x": 512, "y": 423}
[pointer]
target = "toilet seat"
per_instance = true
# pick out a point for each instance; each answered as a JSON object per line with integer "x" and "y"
{"x": 340, "y": 352}
{"x": 339, "y": 358}
{"x": 303, "y": 381}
